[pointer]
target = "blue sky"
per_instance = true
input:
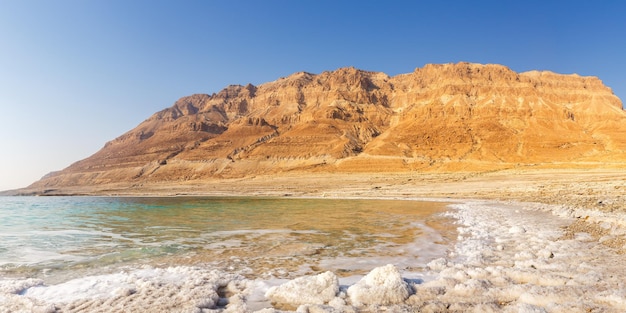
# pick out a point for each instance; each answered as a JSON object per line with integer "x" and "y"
{"x": 75, "y": 74}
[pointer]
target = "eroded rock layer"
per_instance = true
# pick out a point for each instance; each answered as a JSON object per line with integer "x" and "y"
{"x": 449, "y": 117}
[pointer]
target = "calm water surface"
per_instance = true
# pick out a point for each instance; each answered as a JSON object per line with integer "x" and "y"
{"x": 74, "y": 236}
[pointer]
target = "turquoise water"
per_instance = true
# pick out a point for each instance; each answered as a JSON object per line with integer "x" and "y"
{"x": 71, "y": 236}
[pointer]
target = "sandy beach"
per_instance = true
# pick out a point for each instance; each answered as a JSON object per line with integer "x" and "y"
{"x": 528, "y": 241}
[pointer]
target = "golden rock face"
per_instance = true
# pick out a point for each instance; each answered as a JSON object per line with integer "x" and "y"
{"x": 442, "y": 117}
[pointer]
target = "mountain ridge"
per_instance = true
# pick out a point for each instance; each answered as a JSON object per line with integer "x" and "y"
{"x": 441, "y": 117}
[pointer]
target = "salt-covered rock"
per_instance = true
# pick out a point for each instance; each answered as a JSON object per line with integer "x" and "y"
{"x": 383, "y": 285}
{"x": 49, "y": 308}
{"x": 318, "y": 289}
{"x": 434, "y": 306}
{"x": 545, "y": 253}
{"x": 517, "y": 230}
{"x": 17, "y": 286}
{"x": 438, "y": 264}
{"x": 321, "y": 308}
{"x": 455, "y": 273}
{"x": 471, "y": 287}
{"x": 341, "y": 305}
{"x": 525, "y": 255}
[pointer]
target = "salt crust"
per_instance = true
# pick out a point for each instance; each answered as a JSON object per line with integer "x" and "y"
{"x": 509, "y": 257}
{"x": 175, "y": 289}
{"x": 318, "y": 289}
{"x": 383, "y": 285}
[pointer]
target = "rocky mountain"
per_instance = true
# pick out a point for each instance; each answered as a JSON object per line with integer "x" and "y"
{"x": 448, "y": 117}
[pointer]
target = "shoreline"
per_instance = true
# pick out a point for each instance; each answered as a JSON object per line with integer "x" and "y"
{"x": 508, "y": 257}
{"x": 560, "y": 252}
{"x": 538, "y": 184}
{"x": 596, "y": 193}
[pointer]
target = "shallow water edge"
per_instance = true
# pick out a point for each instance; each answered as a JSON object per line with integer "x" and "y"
{"x": 508, "y": 257}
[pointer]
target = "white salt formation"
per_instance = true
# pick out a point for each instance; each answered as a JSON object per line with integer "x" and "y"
{"x": 318, "y": 289}
{"x": 177, "y": 289}
{"x": 384, "y": 285}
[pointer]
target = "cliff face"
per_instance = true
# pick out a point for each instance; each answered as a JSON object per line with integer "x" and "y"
{"x": 450, "y": 117}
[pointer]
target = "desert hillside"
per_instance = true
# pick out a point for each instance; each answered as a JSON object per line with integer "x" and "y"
{"x": 439, "y": 118}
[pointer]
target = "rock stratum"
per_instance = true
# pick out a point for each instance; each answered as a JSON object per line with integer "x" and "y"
{"x": 442, "y": 118}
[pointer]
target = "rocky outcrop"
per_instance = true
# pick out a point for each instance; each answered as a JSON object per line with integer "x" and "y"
{"x": 446, "y": 117}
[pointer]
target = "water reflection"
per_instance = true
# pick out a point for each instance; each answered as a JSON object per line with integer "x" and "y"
{"x": 249, "y": 234}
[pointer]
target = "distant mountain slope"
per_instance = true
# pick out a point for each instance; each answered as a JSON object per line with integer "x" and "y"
{"x": 449, "y": 117}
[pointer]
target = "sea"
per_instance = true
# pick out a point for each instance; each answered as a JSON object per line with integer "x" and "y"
{"x": 54, "y": 240}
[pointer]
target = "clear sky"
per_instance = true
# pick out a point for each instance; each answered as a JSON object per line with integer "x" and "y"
{"x": 75, "y": 74}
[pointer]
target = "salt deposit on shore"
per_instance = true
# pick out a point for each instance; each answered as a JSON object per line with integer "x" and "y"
{"x": 511, "y": 257}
